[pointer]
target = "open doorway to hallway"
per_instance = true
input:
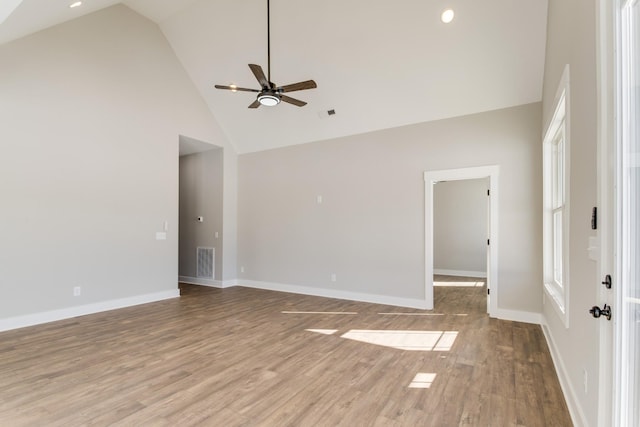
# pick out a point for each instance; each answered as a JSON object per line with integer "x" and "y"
{"x": 200, "y": 213}
{"x": 489, "y": 175}
{"x": 460, "y": 232}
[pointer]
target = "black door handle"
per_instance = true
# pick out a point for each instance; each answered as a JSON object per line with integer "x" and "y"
{"x": 604, "y": 311}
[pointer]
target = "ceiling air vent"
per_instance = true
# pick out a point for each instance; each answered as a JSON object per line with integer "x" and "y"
{"x": 326, "y": 113}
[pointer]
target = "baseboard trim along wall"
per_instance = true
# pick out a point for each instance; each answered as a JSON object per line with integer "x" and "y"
{"x": 519, "y": 316}
{"x": 82, "y": 310}
{"x": 575, "y": 410}
{"x": 459, "y": 273}
{"x": 334, "y": 293}
{"x": 206, "y": 282}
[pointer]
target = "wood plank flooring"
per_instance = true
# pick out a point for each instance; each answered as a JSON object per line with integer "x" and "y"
{"x": 246, "y": 357}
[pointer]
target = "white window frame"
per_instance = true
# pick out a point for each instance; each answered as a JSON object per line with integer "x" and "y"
{"x": 556, "y": 290}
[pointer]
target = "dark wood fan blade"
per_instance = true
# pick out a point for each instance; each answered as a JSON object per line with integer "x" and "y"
{"x": 262, "y": 79}
{"x": 293, "y": 101}
{"x": 255, "y": 104}
{"x": 309, "y": 84}
{"x": 234, "y": 88}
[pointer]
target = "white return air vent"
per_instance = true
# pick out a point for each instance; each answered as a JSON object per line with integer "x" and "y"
{"x": 205, "y": 265}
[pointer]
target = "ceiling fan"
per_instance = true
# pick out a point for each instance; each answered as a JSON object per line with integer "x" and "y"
{"x": 270, "y": 94}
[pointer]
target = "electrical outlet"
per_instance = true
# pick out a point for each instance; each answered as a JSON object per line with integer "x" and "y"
{"x": 242, "y": 269}
{"x": 334, "y": 277}
{"x": 77, "y": 290}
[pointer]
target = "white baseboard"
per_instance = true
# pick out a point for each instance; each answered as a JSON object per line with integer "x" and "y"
{"x": 82, "y": 310}
{"x": 206, "y": 282}
{"x": 460, "y": 273}
{"x": 513, "y": 315}
{"x": 575, "y": 410}
{"x": 519, "y": 316}
{"x": 229, "y": 283}
{"x": 336, "y": 293}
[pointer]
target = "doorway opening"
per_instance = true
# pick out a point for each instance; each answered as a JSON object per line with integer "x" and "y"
{"x": 460, "y": 232}
{"x": 488, "y": 175}
{"x": 200, "y": 203}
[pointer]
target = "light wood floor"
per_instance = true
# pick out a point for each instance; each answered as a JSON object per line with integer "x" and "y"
{"x": 245, "y": 357}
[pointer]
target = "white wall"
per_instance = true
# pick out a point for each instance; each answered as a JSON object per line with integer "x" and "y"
{"x": 460, "y": 227}
{"x": 91, "y": 112}
{"x": 571, "y": 39}
{"x": 369, "y": 229}
{"x": 201, "y": 184}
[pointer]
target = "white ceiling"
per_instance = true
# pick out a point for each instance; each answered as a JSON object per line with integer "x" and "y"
{"x": 378, "y": 63}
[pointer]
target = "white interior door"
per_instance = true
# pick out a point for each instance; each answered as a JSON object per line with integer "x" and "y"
{"x": 489, "y": 278}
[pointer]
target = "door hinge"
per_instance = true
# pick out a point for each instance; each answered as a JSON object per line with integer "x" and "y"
{"x": 488, "y": 242}
{"x": 488, "y": 291}
{"x": 488, "y": 192}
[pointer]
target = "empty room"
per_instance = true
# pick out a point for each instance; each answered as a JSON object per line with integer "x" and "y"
{"x": 319, "y": 213}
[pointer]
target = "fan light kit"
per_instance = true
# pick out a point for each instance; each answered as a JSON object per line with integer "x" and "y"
{"x": 270, "y": 95}
{"x": 268, "y": 100}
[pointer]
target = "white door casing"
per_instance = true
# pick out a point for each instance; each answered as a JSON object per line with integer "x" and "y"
{"x": 618, "y": 124}
{"x": 606, "y": 200}
{"x": 627, "y": 183}
{"x": 431, "y": 177}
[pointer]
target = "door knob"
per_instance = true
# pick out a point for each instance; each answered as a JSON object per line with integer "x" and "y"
{"x": 604, "y": 311}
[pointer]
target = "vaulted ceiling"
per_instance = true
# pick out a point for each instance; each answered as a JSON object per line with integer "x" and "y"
{"x": 377, "y": 63}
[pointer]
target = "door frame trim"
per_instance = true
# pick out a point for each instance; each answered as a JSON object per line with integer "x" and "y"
{"x": 607, "y": 82}
{"x": 431, "y": 177}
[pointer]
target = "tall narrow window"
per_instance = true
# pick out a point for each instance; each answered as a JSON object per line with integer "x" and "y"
{"x": 557, "y": 171}
{"x": 555, "y": 218}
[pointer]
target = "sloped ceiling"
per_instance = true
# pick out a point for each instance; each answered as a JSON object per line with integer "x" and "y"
{"x": 377, "y": 63}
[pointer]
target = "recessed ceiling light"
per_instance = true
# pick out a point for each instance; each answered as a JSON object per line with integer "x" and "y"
{"x": 75, "y": 4}
{"x": 447, "y": 16}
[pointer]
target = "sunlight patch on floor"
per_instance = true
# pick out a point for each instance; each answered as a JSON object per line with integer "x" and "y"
{"x": 412, "y": 314}
{"x": 423, "y": 314}
{"x": 405, "y": 340}
{"x": 323, "y": 331}
{"x": 422, "y": 380}
{"x": 472, "y": 284}
{"x": 350, "y": 313}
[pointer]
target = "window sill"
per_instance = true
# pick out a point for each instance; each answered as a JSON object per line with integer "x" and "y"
{"x": 557, "y": 298}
